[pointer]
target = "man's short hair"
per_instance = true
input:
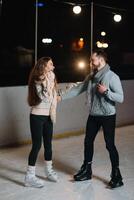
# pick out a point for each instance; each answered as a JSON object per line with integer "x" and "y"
{"x": 101, "y": 53}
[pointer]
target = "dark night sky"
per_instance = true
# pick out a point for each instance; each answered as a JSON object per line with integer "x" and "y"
{"x": 56, "y": 20}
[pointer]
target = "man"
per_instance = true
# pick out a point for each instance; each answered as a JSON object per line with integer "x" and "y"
{"x": 104, "y": 89}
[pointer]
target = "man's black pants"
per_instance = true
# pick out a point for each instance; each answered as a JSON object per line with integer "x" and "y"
{"x": 94, "y": 123}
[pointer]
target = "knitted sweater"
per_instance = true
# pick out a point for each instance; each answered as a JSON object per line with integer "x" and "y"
{"x": 47, "y": 93}
{"x": 99, "y": 104}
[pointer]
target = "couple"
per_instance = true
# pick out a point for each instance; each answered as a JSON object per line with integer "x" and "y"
{"x": 103, "y": 89}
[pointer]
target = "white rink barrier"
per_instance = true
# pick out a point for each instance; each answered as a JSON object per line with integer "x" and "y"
{"x": 71, "y": 114}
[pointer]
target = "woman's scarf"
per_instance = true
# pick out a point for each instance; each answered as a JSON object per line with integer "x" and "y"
{"x": 49, "y": 85}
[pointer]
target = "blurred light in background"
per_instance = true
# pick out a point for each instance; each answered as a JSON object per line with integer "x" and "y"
{"x": 117, "y": 18}
{"x": 105, "y": 45}
{"x": 81, "y": 65}
{"x": 78, "y": 44}
{"x": 101, "y": 44}
{"x": 81, "y": 43}
{"x": 39, "y": 4}
{"x": 47, "y": 40}
{"x": 103, "y": 33}
{"x": 77, "y": 10}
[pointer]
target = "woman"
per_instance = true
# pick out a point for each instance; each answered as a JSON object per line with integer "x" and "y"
{"x": 42, "y": 98}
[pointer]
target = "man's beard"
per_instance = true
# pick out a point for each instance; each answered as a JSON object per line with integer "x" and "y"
{"x": 95, "y": 68}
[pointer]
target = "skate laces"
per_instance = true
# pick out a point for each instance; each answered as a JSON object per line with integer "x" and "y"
{"x": 51, "y": 172}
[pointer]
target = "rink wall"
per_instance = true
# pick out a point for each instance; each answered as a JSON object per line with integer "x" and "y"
{"x": 71, "y": 114}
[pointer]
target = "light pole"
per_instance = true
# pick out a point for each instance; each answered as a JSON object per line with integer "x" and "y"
{"x": 91, "y": 42}
{"x": 36, "y": 31}
{"x": 0, "y": 7}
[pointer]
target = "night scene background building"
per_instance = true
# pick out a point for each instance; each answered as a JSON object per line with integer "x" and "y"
{"x": 64, "y": 36}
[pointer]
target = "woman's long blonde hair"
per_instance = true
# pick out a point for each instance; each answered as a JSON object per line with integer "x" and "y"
{"x": 35, "y": 74}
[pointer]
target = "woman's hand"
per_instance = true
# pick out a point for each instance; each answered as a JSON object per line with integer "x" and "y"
{"x": 42, "y": 77}
{"x": 58, "y": 98}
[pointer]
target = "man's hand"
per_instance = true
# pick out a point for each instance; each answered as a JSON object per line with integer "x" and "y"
{"x": 101, "y": 88}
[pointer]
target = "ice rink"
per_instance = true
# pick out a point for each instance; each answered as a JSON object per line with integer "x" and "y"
{"x": 68, "y": 157}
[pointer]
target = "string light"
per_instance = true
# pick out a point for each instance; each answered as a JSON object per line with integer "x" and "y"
{"x": 95, "y": 4}
{"x": 117, "y": 18}
{"x": 77, "y": 10}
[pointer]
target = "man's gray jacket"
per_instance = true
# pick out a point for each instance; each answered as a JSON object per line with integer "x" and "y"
{"x": 100, "y": 104}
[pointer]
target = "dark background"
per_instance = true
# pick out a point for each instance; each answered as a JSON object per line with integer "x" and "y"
{"x": 57, "y": 21}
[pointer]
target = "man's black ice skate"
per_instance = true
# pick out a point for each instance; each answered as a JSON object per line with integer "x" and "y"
{"x": 85, "y": 173}
{"x": 116, "y": 179}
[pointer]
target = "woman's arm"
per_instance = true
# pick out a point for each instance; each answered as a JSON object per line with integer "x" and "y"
{"x": 75, "y": 90}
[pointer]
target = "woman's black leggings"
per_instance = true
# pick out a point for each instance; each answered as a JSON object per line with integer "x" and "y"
{"x": 41, "y": 127}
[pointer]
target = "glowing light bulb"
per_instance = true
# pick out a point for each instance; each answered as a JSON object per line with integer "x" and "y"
{"x": 77, "y": 10}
